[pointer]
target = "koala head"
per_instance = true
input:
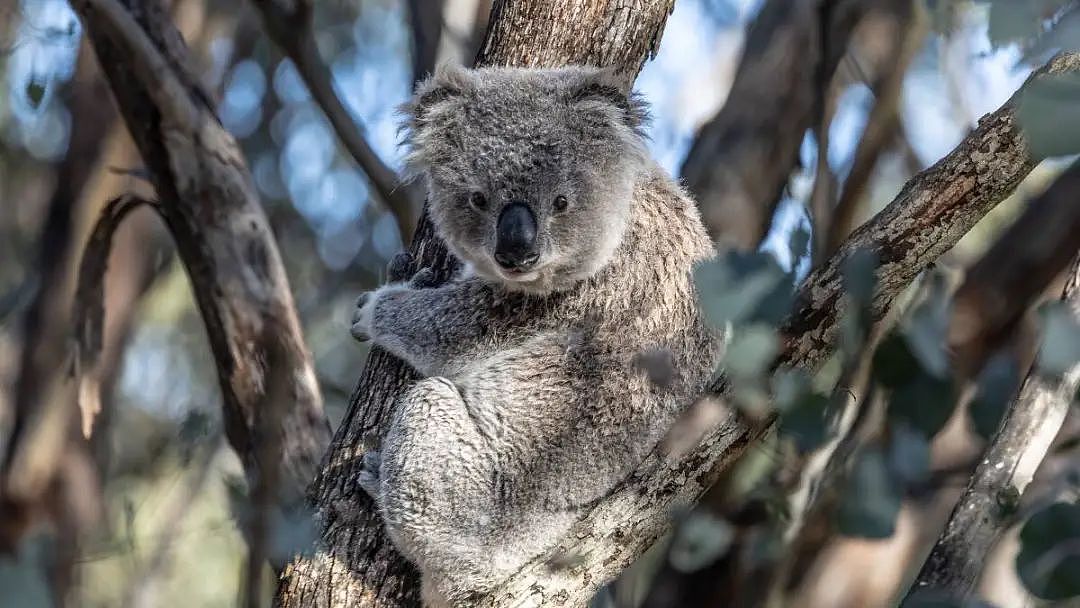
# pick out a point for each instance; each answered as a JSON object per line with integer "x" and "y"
{"x": 530, "y": 173}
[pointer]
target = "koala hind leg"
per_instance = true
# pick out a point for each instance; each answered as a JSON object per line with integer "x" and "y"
{"x": 437, "y": 492}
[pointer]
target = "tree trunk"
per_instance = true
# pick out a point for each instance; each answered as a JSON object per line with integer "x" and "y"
{"x": 208, "y": 201}
{"x": 355, "y": 564}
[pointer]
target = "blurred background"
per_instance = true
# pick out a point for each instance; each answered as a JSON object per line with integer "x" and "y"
{"x": 171, "y": 482}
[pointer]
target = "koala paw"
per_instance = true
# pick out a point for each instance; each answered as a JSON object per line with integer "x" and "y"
{"x": 369, "y": 475}
{"x": 401, "y": 267}
{"x": 362, "y": 316}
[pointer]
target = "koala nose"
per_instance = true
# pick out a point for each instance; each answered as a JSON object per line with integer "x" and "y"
{"x": 515, "y": 237}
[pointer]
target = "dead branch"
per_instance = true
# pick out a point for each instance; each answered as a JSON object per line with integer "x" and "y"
{"x": 89, "y": 310}
{"x": 208, "y": 202}
{"x": 290, "y": 26}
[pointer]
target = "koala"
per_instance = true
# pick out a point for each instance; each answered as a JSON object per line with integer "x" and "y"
{"x": 576, "y": 252}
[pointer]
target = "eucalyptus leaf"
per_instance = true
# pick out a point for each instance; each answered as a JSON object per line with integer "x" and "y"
{"x": 751, "y": 351}
{"x": 699, "y": 541}
{"x": 1060, "y": 348}
{"x": 925, "y": 402}
{"x": 807, "y": 421}
{"x": 996, "y": 386}
{"x": 1049, "y": 115}
{"x": 909, "y": 455}
{"x": 1049, "y": 558}
{"x": 871, "y": 501}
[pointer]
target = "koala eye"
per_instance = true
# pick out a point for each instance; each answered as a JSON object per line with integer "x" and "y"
{"x": 477, "y": 200}
{"x": 560, "y": 203}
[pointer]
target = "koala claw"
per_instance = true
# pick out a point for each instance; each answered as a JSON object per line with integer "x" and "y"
{"x": 400, "y": 266}
{"x": 423, "y": 279}
{"x": 361, "y": 319}
{"x": 369, "y": 475}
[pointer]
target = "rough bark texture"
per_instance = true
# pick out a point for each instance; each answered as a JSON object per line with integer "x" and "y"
{"x": 742, "y": 158}
{"x": 1015, "y": 271}
{"x": 987, "y": 507}
{"x": 209, "y": 204}
{"x": 928, "y": 217}
{"x": 354, "y": 563}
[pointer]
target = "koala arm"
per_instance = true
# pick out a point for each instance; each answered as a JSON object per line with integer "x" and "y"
{"x": 430, "y": 328}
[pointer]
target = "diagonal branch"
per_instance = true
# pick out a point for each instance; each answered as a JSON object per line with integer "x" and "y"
{"x": 742, "y": 158}
{"x": 208, "y": 201}
{"x": 933, "y": 210}
{"x": 997, "y": 291}
{"x": 89, "y": 310}
{"x": 883, "y": 123}
{"x": 290, "y": 27}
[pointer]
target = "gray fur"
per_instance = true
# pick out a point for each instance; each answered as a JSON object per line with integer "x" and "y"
{"x": 533, "y": 406}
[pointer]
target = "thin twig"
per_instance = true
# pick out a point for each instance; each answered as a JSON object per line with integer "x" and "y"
{"x": 89, "y": 306}
{"x": 881, "y": 125}
{"x": 292, "y": 29}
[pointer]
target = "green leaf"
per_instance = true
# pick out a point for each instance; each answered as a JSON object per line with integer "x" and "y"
{"x": 909, "y": 455}
{"x": 807, "y": 421}
{"x": 1049, "y": 115}
{"x": 871, "y": 500}
{"x": 788, "y": 386}
{"x": 925, "y": 402}
{"x": 743, "y": 288}
{"x": 894, "y": 365}
{"x": 699, "y": 541}
{"x": 1049, "y": 558}
{"x": 928, "y": 325}
{"x": 995, "y": 388}
{"x": 1060, "y": 339}
{"x": 751, "y": 352}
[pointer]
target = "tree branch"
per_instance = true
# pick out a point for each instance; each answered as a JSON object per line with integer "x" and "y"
{"x": 209, "y": 204}
{"x": 89, "y": 309}
{"x": 1015, "y": 271}
{"x": 909, "y": 29}
{"x": 742, "y": 158}
{"x": 933, "y": 210}
{"x": 290, "y": 27}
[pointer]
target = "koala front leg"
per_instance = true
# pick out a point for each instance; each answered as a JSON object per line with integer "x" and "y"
{"x": 426, "y": 326}
{"x": 436, "y": 490}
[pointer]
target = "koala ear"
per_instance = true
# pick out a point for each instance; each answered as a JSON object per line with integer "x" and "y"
{"x": 447, "y": 82}
{"x": 607, "y": 86}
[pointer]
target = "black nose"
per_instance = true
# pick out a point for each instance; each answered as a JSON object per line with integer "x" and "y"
{"x": 515, "y": 237}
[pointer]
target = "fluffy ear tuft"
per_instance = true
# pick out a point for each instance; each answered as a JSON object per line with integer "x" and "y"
{"x": 447, "y": 82}
{"x": 607, "y": 86}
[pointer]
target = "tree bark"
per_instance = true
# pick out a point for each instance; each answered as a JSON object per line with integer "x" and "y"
{"x": 208, "y": 201}
{"x": 933, "y": 210}
{"x": 1023, "y": 265}
{"x": 1000, "y": 288}
{"x": 354, "y": 563}
{"x": 742, "y": 158}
